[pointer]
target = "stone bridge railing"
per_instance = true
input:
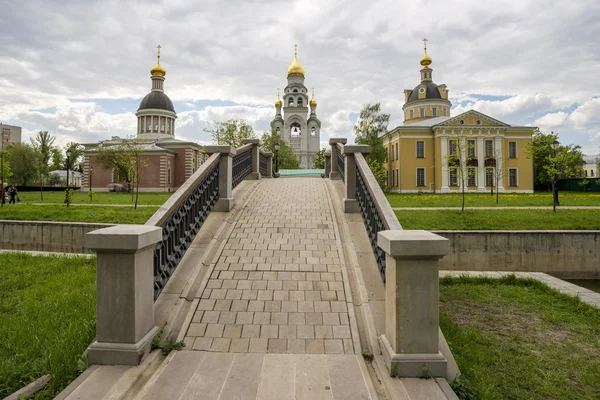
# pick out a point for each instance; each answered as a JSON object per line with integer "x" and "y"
{"x": 407, "y": 260}
{"x": 124, "y": 311}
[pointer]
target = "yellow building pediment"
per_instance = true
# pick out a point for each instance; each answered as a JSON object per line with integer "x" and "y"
{"x": 472, "y": 118}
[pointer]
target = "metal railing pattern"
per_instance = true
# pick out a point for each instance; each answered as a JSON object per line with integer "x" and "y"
{"x": 242, "y": 164}
{"x": 262, "y": 163}
{"x": 181, "y": 218}
{"x": 376, "y": 211}
{"x": 341, "y": 165}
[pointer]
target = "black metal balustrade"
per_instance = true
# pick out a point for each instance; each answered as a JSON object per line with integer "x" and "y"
{"x": 242, "y": 166}
{"x": 262, "y": 164}
{"x": 182, "y": 225}
{"x": 372, "y": 219}
{"x": 341, "y": 162}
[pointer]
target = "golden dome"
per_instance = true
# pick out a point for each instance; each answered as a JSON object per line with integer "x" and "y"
{"x": 295, "y": 68}
{"x": 313, "y": 101}
{"x": 278, "y": 102}
{"x": 426, "y": 60}
{"x": 158, "y": 70}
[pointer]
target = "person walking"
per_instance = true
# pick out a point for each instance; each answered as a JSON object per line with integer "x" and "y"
{"x": 12, "y": 191}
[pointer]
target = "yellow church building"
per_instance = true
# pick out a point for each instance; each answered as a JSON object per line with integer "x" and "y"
{"x": 436, "y": 152}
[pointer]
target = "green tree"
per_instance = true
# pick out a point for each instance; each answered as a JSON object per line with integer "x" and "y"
{"x": 565, "y": 162}
{"x": 43, "y": 143}
{"x": 371, "y": 124}
{"x": 58, "y": 159}
{"x": 286, "y": 156}
{"x": 231, "y": 132}
{"x": 320, "y": 159}
{"x": 379, "y": 171}
{"x": 542, "y": 153}
{"x": 126, "y": 158}
{"x": 24, "y": 163}
{"x": 75, "y": 163}
{"x": 458, "y": 161}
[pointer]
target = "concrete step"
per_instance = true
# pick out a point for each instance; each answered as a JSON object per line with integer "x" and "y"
{"x": 206, "y": 375}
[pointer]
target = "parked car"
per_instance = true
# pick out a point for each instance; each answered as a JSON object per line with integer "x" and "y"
{"x": 116, "y": 187}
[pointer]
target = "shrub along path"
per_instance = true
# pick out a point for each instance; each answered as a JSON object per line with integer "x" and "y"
{"x": 519, "y": 339}
{"x": 47, "y": 319}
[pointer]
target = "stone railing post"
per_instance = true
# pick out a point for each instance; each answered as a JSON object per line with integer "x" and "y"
{"x": 255, "y": 174}
{"x": 226, "y": 200}
{"x": 327, "y": 157}
{"x": 350, "y": 203}
{"x": 410, "y": 344}
{"x": 333, "y": 174}
{"x": 269, "y": 163}
{"x": 124, "y": 293}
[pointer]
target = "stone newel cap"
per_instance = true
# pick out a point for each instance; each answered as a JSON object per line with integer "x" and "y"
{"x": 417, "y": 244}
{"x": 338, "y": 140}
{"x": 223, "y": 149}
{"x": 357, "y": 148}
{"x": 253, "y": 141}
{"x": 128, "y": 238}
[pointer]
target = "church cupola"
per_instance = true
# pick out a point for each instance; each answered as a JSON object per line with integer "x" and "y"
{"x": 427, "y": 100}
{"x": 156, "y": 114}
{"x": 313, "y": 103}
{"x": 295, "y": 68}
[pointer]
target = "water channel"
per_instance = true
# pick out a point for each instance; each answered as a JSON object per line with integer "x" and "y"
{"x": 591, "y": 284}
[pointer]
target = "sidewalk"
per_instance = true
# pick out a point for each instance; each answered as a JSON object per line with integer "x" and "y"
{"x": 502, "y": 208}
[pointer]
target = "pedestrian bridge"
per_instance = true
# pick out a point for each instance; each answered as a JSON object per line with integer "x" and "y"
{"x": 278, "y": 288}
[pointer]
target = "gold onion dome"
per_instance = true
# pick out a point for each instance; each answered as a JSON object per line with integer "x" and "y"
{"x": 426, "y": 60}
{"x": 295, "y": 68}
{"x": 313, "y": 101}
{"x": 158, "y": 70}
{"x": 278, "y": 102}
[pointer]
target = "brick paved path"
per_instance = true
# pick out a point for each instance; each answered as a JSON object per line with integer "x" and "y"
{"x": 277, "y": 286}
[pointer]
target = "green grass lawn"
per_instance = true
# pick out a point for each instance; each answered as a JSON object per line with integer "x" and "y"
{"x": 47, "y": 319}
{"x": 518, "y": 339}
{"x": 108, "y": 214}
{"x": 99, "y": 198}
{"x": 485, "y": 200}
{"x": 588, "y": 219}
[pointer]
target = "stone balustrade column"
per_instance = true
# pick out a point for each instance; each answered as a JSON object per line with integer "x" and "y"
{"x": 124, "y": 293}
{"x": 269, "y": 156}
{"x": 255, "y": 174}
{"x": 327, "y": 157}
{"x": 410, "y": 345}
{"x": 226, "y": 200}
{"x": 350, "y": 203}
{"x": 333, "y": 174}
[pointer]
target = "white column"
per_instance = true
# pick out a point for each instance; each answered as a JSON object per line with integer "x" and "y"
{"x": 444, "y": 144}
{"x": 498, "y": 154}
{"x": 463, "y": 162}
{"x": 480, "y": 164}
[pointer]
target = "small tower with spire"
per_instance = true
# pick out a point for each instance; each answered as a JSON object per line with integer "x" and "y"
{"x": 427, "y": 100}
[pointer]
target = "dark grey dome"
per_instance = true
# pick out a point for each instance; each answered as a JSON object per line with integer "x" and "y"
{"x": 432, "y": 92}
{"x": 156, "y": 99}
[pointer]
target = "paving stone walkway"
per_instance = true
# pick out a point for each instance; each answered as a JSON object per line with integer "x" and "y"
{"x": 278, "y": 285}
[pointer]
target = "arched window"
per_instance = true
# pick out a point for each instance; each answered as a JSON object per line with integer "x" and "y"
{"x": 295, "y": 90}
{"x": 299, "y": 101}
{"x": 592, "y": 173}
{"x": 313, "y": 131}
{"x": 290, "y": 102}
{"x": 586, "y": 173}
{"x": 148, "y": 124}
{"x": 155, "y": 124}
{"x": 169, "y": 175}
{"x": 278, "y": 130}
{"x": 295, "y": 129}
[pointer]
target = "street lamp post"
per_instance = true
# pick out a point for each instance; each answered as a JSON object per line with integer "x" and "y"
{"x": 555, "y": 202}
{"x": 67, "y": 200}
{"x": 276, "y": 147}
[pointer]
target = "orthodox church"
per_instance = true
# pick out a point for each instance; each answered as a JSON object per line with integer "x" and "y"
{"x": 301, "y": 130}
{"x": 423, "y": 154}
{"x": 170, "y": 161}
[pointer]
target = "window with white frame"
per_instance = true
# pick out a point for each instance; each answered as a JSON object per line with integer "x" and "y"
{"x": 489, "y": 148}
{"x": 453, "y": 176}
{"x": 411, "y": 114}
{"x": 420, "y": 149}
{"x": 472, "y": 176}
{"x": 420, "y": 176}
{"x": 512, "y": 149}
{"x": 422, "y": 112}
{"x": 452, "y": 147}
{"x": 512, "y": 177}
{"x": 470, "y": 148}
{"x": 489, "y": 176}
{"x": 434, "y": 112}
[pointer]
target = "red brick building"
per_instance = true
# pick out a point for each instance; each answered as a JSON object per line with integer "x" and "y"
{"x": 170, "y": 161}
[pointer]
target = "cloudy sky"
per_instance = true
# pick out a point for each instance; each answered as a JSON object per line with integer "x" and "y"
{"x": 79, "y": 68}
